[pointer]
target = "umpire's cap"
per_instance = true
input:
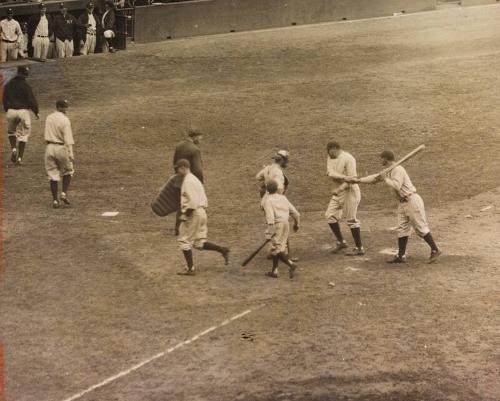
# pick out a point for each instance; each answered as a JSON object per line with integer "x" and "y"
{"x": 272, "y": 186}
{"x": 23, "y": 70}
{"x": 388, "y": 155}
{"x": 182, "y": 163}
{"x": 62, "y": 104}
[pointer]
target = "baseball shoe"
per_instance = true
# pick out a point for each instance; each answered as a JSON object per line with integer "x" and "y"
{"x": 65, "y": 199}
{"x": 339, "y": 247}
{"x": 356, "y": 252}
{"x": 13, "y": 157}
{"x": 398, "y": 259}
{"x": 225, "y": 255}
{"x": 56, "y": 204}
{"x": 187, "y": 272}
{"x": 294, "y": 259}
{"x": 272, "y": 274}
{"x": 291, "y": 270}
{"x": 19, "y": 161}
{"x": 434, "y": 256}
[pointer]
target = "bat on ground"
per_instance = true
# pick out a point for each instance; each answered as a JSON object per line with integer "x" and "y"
{"x": 254, "y": 253}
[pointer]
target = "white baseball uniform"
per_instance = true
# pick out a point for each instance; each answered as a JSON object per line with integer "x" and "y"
{"x": 278, "y": 210}
{"x": 40, "y": 40}
{"x": 193, "y": 229}
{"x": 11, "y": 35}
{"x": 343, "y": 205}
{"x": 411, "y": 210}
{"x": 59, "y": 138}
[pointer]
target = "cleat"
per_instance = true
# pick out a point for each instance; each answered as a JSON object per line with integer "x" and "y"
{"x": 339, "y": 247}
{"x": 13, "y": 157}
{"x": 19, "y": 161}
{"x": 356, "y": 252}
{"x": 56, "y": 204}
{"x": 225, "y": 255}
{"x": 434, "y": 256}
{"x": 294, "y": 259}
{"x": 187, "y": 272}
{"x": 65, "y": 199}
{"x": 272, "y": 274}
{"x": 398, "y": 259}
{"x": 291, "y": 270}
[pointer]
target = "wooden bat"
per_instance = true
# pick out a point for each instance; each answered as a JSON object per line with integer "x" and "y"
{"x": 254, "y": 253}
{"x": 371, "y": 178}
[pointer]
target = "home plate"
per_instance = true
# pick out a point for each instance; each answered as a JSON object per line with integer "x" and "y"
{"x": 110, "y": 214}
{"x": 389, "y": 251}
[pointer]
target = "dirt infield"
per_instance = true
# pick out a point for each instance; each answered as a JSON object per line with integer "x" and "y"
{"x": 86, "y": 297}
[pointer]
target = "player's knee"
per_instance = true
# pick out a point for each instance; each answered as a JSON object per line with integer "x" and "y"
{"x": 354, "y": 223}
{"x": 199, "y": 245}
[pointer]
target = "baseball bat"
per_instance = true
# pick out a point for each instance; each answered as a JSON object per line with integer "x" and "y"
{"x": 404, "y": 159}
{"x": 254, "y": 253}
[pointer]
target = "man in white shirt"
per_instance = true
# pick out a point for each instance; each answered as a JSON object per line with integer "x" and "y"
{"x": 411, "y": 210}
{"x": 41, "y": 29}
{"x": 193, "y": 228}
{"x": 345, "y": 198}
{"x": 11, "y": 37}
{"x": 59, "y": 155}
{"x": 278, "y": 210}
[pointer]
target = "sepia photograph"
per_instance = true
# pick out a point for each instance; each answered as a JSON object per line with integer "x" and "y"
{"x": 250, "y": 200}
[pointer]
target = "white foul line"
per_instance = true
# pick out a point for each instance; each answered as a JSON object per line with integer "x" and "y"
{"x": 159, "y": 355}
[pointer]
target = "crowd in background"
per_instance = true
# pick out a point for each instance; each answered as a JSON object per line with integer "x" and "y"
{"x": 59, "y": 35}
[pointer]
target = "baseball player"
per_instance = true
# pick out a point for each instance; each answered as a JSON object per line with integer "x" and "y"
{"x": 345, "y": 198}
{"x": 411, "y": 210}
{"x": 89, "y": 24}
{"x": 278, "y": 210}
{"x": 40, "y": 30}
{"x": 18, "y": 100}
{"x": 64, "y": 31}
{"x": 193, "y": 228}
{"x": 59, "y": 155}
{"x": 11, "y": 37}
{"x": 275, "y": 173}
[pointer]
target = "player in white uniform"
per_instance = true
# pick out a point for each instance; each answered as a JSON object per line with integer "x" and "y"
{"x": 193, "y": 228}
{"x": 345, "y": 198}
{"x": 59, "y": 155}
{"x": 274, "y": 172}
{"x": 411, "y": 210}
{"x": 11, "y": 37}
{"x": 278, "y": 210}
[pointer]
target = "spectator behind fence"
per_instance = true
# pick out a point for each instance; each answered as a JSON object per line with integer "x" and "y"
{"x": 39, "y": 30}
{"x": 89, "y": 25}
{"x": 64, "y": 30}
{"x": 108, "y": 24}
{"x": 11, "y": 35}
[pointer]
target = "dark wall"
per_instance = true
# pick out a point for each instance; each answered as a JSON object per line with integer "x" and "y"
{"x": 204, "y": 17}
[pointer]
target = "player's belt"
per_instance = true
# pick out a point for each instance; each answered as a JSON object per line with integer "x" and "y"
{"x": 40, "y": 36}
{"x": 405, "y": 199}
{"x": 54, "y": 143}
{"x": 8, "y": 41}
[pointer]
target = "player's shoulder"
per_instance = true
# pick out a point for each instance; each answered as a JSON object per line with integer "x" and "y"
{"x": 348, "y": 156}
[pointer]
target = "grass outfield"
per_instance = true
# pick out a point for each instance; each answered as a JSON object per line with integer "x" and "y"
{"x": 86, "y": 297}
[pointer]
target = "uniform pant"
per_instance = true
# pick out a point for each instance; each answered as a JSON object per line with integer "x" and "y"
{"x": 345, "y": 206}
{"x": 411, "y": 214}
{"x": 40, "y": 47}
{"x": 9, "y": 51}
{"x": 89, "y": 45}
{"x": 57, "y": 162}
{"x": 18, "y": 124}
{"x": 64, "y": 48}
{"x": 193, "y": 231}
{"x": 279, "y": 243}
{"x": 52, "y": 52}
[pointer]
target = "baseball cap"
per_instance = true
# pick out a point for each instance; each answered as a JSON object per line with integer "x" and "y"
{"x": 42, "y": 6}
{"x": 62, "y": 103}
{"x": 182, "y": 163}
{"x": 90, "y": 5}
{"x": 10, "y": 11}
{"x": 281, "y": 154}
{"x": 194, "y": 131}
{"x": 23, "y": 70}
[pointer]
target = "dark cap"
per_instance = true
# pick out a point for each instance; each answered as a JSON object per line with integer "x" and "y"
{"x": 23, "y": 70}
{"x": 62, "y": 104}
{"x": 42, "y": 6}
{"x": 388, "y": 155}
{"x": 332, "y": 145}
{"x": 194, "y": 132}
{"x": 182, "y": 163}
{"x": 90, "y": 5}
{"x": 10, "y": 11}
{"x": 272, "y": 186}
{"x": 62, "y": 6}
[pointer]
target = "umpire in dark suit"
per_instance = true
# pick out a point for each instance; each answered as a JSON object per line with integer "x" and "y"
{"x": 189, "y": 150}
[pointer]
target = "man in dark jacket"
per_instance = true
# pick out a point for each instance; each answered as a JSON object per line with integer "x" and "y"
{"x": 64, "y": 31}
{"x": 89, "y": 24}
{"x": 108, "y": 24}
{"x": 18, "y": 100}
{"x": 40, "y": 29}
{"x": 189, "y": 150}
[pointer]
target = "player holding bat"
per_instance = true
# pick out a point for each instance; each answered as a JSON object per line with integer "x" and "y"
{"x": 411, "y": 210}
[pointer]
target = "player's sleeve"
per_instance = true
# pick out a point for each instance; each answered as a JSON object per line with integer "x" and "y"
{"x": 268, "y": 210}
{"x": 68, "y": 133}
{"x": 294, "y": 213}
